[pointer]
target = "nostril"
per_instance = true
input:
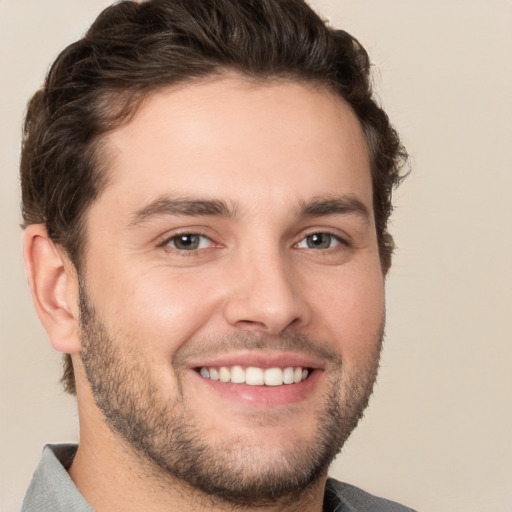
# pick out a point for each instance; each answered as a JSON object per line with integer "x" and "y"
{"x": 271, "y": 326}
{"x": 250, "y": 325}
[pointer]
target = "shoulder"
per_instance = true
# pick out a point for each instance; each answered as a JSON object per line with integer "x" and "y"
{"x": 51, "y": 488}
{"x": 342, "y": 497}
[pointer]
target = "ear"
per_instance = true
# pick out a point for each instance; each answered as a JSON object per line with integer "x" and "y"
{"x": 53, "y": 283}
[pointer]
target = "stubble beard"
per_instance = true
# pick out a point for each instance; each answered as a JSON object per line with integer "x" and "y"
{"x": 164, "y": 436}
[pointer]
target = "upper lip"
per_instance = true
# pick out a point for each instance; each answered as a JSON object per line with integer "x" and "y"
{"x": 258, "y": 358}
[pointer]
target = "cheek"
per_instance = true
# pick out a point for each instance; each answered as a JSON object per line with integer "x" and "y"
{"x": 349, "y": 309}
{"x": 158, "y": 310}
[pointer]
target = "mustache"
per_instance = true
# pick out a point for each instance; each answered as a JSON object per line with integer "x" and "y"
{"x": 286, "y": 342}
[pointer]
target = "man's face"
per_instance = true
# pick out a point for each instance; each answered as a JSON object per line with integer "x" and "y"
{"x": 234, "y": 241}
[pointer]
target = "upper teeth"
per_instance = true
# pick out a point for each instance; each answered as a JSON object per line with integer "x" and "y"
{"x": 254, "y": 376}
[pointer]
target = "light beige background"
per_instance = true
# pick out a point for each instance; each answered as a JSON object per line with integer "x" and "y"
{"x": 438, "y": 434}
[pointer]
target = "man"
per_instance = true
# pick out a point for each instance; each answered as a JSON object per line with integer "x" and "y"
{"x": 206, "y": 188}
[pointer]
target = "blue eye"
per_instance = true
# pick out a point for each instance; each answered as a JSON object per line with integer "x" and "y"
{"x": 189, "y": 242}
{"x": 319, "y": 241}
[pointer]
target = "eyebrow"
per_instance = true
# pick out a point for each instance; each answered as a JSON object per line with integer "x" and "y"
{"x": 317, "y": 207}
{"x": 182, "y": 206}
{"x": 339, "y": 205}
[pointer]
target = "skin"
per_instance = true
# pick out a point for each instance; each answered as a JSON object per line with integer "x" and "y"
{"x": 264, "y": 151}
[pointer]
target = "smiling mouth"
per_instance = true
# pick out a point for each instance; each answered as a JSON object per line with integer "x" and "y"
{"x": 255, "y": 376}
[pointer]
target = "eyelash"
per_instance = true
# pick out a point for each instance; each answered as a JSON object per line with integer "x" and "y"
{"x": 170, "y": 242}
{"x": 331, "y": 238}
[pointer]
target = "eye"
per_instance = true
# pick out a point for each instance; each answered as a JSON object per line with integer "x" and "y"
{"x": 189, "y": 242}
{"x": 319, "y": 241}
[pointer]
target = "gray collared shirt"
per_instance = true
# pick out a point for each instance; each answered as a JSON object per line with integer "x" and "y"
{"x": 52, "y": 490}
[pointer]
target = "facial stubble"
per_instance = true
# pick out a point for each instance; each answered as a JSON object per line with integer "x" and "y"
{"x": 163, "y": 434}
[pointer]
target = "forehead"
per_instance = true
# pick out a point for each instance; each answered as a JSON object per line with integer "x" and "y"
{"x": 240, "y": 139}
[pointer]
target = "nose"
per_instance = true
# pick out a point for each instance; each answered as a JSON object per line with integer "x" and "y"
{"x": 265, "y": 296}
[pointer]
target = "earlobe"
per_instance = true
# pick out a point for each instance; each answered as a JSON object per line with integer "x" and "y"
{"x": 53, "y": 283}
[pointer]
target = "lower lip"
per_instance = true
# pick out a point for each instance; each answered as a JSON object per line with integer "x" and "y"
{"x": 263, "y": 396}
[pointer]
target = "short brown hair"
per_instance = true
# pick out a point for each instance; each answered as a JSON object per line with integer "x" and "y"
{"x": 132, "y": 49}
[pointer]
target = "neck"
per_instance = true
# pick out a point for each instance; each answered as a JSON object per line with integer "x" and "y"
{"x": 110, "y": 481}
{"x": 112, "y": 477}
